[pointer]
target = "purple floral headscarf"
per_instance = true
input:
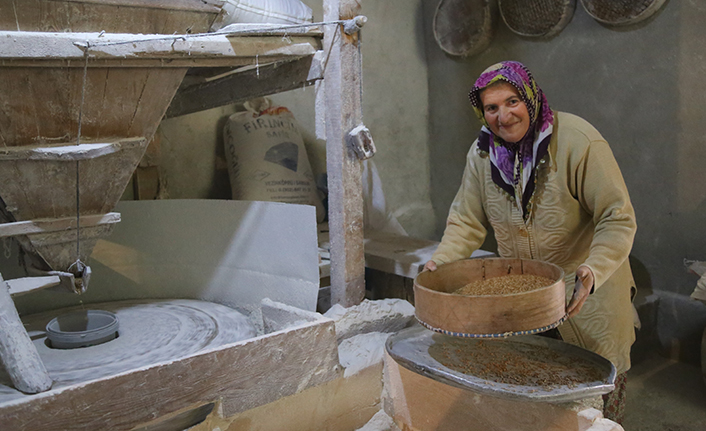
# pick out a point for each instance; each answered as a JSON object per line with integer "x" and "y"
{"x": 531, "y": 148}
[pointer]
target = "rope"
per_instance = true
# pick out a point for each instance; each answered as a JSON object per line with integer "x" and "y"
{"x": 219, "y": 33}
{"x": 360, "y": 71}
{"x": 78, "y": 172}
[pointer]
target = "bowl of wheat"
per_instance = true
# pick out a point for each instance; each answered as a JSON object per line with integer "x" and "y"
{"x": 491, "y": 297}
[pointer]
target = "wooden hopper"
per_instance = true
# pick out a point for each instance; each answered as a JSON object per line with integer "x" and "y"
{"x": 122, "y": 108}
{"x": 41, "y": 104}
{"x": 112, "y": 16}
{"x": 39, "y": 184}
{"x": 120, "y": 86}
{"x": 487, "y": 315}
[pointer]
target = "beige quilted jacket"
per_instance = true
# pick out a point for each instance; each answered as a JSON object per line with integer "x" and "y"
{"x": 582, "y": 215}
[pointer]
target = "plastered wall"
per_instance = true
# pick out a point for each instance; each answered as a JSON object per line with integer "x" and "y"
{"x": 395, "y": 109}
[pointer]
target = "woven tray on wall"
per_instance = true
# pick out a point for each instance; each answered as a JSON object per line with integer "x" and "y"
{"x": 537, "y": 18}
{"x": 464, "y": 27}
{"x": 621, "y": 12}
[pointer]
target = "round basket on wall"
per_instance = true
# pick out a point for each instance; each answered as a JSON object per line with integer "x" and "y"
{"x": 537, "y": 18}
{"x": 464, "y": 27}
{"x": 621, "y": 12}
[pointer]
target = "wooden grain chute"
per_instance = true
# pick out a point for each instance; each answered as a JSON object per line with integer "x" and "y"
{"x": 113, "y": 89}
{"x": 38, "y": 190}
{"x": 128, "y": 16}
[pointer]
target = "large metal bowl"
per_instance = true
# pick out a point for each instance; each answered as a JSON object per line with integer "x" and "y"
{"x": 489, "y": 315}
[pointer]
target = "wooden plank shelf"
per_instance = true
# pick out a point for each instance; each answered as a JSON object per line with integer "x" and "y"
{"x": 41, "y": 49}
{"x": 247, "y": 83}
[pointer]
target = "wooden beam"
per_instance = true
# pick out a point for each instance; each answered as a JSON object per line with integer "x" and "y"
{"x": 240, "y": 86}
{"x": 69, "y": 152}
{"x": 42, "y": 49}
{"x": 185, "y": 62}
{"x": 342, "y": 109}
{"x": 18, "y": 354}
{"x": 190, "y": 5}
{"x": 125, "y": 16}
{"x": 55, "y": 225}
{"x": 269, "y": 29}
{"x": 21, "y": 286}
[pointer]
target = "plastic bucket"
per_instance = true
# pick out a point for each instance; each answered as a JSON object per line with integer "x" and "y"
{"x": 82, "y": 329}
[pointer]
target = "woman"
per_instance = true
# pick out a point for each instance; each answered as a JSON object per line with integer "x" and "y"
{"x": 549, "y": 186}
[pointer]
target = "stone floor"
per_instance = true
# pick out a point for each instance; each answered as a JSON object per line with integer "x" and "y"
{"x": 665, "y": 395}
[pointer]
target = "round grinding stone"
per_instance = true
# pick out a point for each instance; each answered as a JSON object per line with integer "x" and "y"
{"x": 151, "y": 331}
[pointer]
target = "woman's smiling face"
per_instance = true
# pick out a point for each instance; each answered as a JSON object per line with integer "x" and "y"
{"x": 505, "y": 111}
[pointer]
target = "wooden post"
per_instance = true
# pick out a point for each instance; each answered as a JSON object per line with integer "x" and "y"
{"x": 342, "y": 106}
{"x": 18, "y": 354}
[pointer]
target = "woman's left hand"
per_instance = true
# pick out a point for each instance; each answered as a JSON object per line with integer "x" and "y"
{"x": 585, "y": 275}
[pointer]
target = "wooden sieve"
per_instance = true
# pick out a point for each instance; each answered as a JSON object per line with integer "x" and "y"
{"x": 537, "y": 18}
{"x": 488, "y": 316}
{"x": 621, "y": 12}
{"x": 464, "y": 27}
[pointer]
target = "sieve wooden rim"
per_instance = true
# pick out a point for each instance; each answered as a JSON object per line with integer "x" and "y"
{"x": 503, "y": 335}
{"x": 517, "y": 313}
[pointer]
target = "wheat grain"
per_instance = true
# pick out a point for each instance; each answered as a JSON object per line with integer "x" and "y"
{"x": 504, "y": 284}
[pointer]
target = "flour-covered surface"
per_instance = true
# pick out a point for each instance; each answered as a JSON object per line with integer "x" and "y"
{"x": 593, "y": 420}
{"x": 384, "y": 315}
{"x": 380, "y": 422}
{"x": 151, "y": 331}
{"x": 362, "y": 351}
{"x": 241, "y": 375}
{"x": 64, "y": 46}
{"x": 277, "y": 316}
{"x": 525, "y": 368}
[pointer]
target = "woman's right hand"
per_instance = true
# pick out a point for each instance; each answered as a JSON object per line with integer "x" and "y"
{"x": 430, "y": 266}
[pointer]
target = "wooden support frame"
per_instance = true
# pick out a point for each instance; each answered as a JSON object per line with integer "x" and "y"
{"x": 342, "y": 110}
{"x": 129, "y": 50}
{"x": 55, "y": 225}
{"x": 21, "y": 286}
{"x": 239, "y": 86}
{"x": 17, "y": 353}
